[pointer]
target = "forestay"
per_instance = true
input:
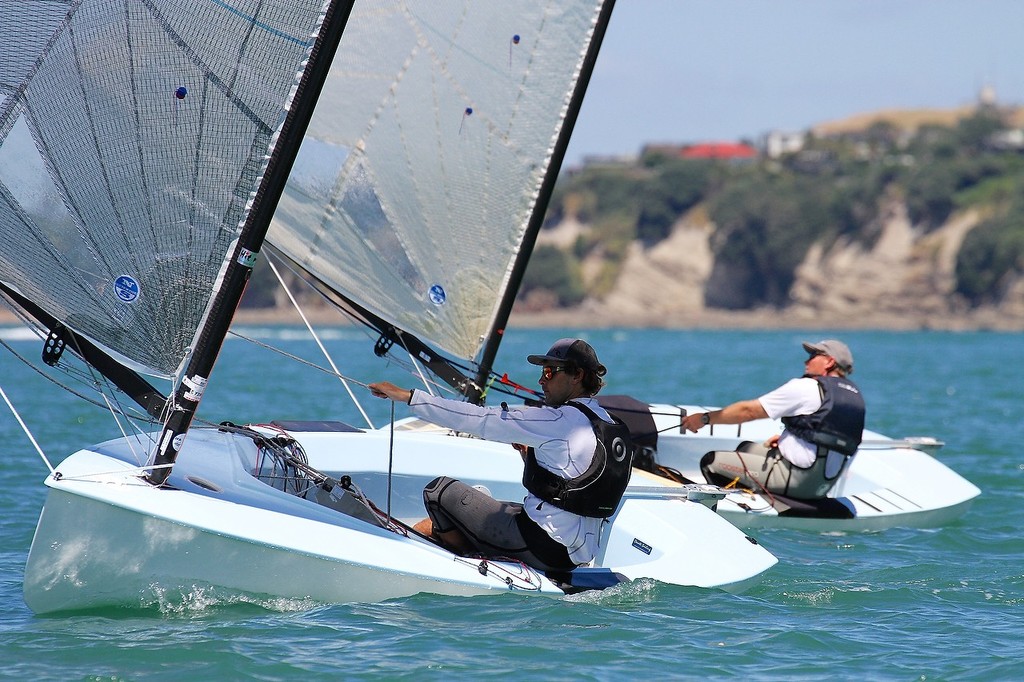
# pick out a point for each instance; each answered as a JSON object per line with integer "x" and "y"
{"x": 131, "y": 137}
{"x": 425, "y": 159}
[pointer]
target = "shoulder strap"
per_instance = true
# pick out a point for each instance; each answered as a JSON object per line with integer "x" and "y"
{"x": 591, "y": 415}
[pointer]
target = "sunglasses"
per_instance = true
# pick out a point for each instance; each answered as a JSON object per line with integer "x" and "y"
{"x": 548, "y": 371}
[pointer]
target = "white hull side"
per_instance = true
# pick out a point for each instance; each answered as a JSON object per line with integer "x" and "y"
{"x": 106, "y": 538}
{"x": 652, "y": 507}
{"x": 92, "y": 554}
{"x": 884, "y": 486}
{"x": 702, "y": 541}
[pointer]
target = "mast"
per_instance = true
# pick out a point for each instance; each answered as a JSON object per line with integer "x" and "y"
{"x": 497, "y": 330}
{"x": 250, "y": 240}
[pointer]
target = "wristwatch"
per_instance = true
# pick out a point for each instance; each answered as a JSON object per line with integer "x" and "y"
{"x": 705, "y": 419}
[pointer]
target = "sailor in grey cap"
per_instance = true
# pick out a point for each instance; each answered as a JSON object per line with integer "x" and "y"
{"x": 823, "y": 412}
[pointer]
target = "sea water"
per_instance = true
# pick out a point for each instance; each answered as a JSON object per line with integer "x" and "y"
{"x": 900, "y": 604}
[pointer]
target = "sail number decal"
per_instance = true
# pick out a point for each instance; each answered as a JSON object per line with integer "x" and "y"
{"x": 437, "y": 295}
{"x": 126, "y": 288}
{"x": 642, "y": 546}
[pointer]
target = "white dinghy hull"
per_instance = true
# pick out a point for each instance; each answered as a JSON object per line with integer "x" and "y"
{"x": 106, "y": 538}
{"x": 121, "y": 542}
{"x": 888, "y": 483}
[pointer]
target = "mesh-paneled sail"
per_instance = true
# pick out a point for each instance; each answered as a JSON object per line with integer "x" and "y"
{"x": 424, "y": 160}
{"x": 132, "y": 133}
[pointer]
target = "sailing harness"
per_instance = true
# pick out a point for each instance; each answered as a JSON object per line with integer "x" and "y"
{"x": 597, "y": 491}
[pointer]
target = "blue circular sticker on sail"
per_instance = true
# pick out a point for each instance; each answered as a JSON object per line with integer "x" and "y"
{"x": 126, "y": 288}
{"x": 437, "y": 295}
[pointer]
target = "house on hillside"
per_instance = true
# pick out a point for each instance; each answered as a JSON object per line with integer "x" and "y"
{"x": 725, "y": 151}
{"x": 720, "y": 151}
{"x": 777, "y": 143}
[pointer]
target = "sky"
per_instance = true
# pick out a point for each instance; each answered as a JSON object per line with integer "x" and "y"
{"x": 685, "y": 71}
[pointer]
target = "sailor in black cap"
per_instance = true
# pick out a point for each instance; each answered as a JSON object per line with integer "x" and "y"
{"x": 577, "y": 464}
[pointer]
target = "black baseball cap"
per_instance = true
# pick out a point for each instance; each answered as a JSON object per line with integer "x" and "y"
{"x": 576, "y": 351}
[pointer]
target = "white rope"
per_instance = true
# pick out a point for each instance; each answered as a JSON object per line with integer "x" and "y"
{"x": 136, "y": 472}
{"x": 99, "y": 379}
{"x": 24, "y": 428}
{"x": 316, "y": 338}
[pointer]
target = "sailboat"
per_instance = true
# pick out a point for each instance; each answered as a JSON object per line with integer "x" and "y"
{"x": 401, "y": 155}
{"x": 889, "y": 482}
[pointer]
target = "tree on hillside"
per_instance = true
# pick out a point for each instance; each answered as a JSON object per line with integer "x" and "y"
{"x": 991, "y": 256}
{"x": 556, "y": 272}
{"x": 766, "y": 224}
{"x": 768, "y": 214}
{"x": 675, "y": 186}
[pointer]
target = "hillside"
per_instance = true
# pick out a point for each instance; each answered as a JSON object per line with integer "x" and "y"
{"x": 893, "y": 219}
{"x": 905, "y": 281}
{"x": 902, "y": 220}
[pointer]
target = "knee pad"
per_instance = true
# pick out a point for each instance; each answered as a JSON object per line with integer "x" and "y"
{"x": 432, "y": 491}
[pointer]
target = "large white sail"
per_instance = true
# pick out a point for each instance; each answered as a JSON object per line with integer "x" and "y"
{"x": 132, "y": 133}
{"x": 420, "y": 171}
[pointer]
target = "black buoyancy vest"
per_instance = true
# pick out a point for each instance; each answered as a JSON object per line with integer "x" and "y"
{"x": 839, "y": 422}
{"x": 597, "y": 491}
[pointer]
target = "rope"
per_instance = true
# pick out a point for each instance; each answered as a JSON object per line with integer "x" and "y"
{"x": 758, "y": 483}
{"x": 89, "y": 378}
{"x": 486, "y": 566}
{"x": 77, "y": 375}
{"x": 430, "y": 384}
{"x": 138, "y": 471}
{"x": 391, "y": 454}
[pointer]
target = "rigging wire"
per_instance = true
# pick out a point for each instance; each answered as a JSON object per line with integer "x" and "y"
{"x": 320, "y": 344}
{"x": 84, "y": 378}
{"x": 419, "y": 371}
{"x": 25, "y": 428}
{"x": 321, "y": 368}
{"x": 432, "y": 386}
{"x": 367, "y": 327}
{"x": 102, "y": 385}
{"x": 341, "y": 310}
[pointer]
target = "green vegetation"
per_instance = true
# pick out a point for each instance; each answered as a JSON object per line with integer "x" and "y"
{"x": 554, "y": 271}
{"x": 674, "y": 187}
{"x": 768, "y": 213}
{"x": 992, "y": 252}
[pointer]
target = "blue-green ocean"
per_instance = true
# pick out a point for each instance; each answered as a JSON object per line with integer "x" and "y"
{"x": 901, "y": 604}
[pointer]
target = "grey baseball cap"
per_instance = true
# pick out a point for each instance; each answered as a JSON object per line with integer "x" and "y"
{"x": 834, "y": 349}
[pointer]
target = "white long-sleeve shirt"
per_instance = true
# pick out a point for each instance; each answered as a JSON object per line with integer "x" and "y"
{"x": 563, "y": 440}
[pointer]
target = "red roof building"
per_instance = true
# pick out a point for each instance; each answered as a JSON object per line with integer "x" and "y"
{"x": 719, "y": 150}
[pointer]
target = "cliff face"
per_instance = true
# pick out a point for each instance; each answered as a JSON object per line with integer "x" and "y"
{"x": 904, "y": 280}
